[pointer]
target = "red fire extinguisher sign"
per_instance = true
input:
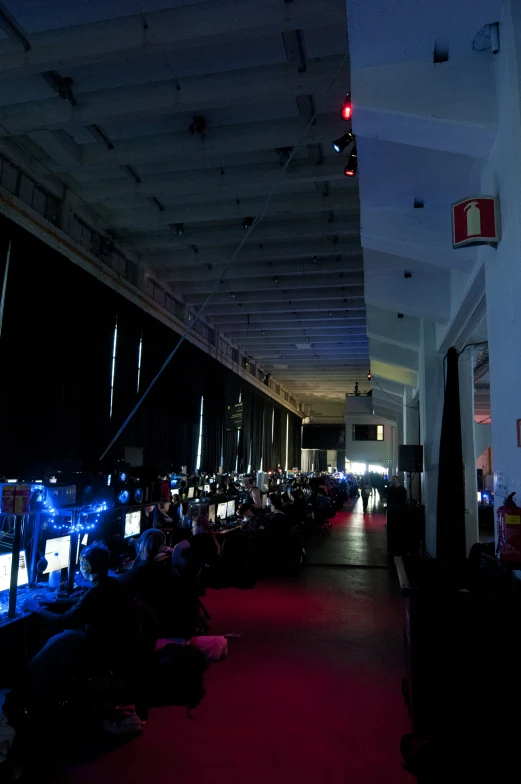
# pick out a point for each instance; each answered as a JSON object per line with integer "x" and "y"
{"x": 475, "y": 219}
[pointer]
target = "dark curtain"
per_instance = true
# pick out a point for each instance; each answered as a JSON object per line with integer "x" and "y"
{"x": 257, "y": 415}
{"x": 450, "y": 531}
{"x": 277, "y": 446}
{"x": 267, "y": 462}
{"x": 56, "y": 357}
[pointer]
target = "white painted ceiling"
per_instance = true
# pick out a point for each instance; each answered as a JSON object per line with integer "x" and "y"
{"x": 141, "y": 70}
{"x": 423, "y": 130}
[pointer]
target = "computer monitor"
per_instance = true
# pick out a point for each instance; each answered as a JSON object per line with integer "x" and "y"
{"x": 191, "y": 492}
{"x": 207, "y": 488}
{"x": 132, "y": 524}
{"x": 60, "y": 545}
{"x": 222, "y": 510}
{"x": 5, "y": 570}
{"x": 230, "y": 511}
{"x": 211, "y": 513}
{"x": 266, "y": 500}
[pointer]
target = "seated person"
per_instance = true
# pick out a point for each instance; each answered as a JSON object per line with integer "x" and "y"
{"x": 280, "y": 522}
{"x": 164, "y": 519}
{"x": 147, "y": 518}
{"x": 146, "y": 578}
{"x": 175, "y": 510}
{"x": 254, "y": 496}
{"x": 204, "y": 540}
{"x": 250, "y": 523}
{"x": 93, "y": 632}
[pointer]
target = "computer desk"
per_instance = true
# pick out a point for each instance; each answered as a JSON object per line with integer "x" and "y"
{"x": 225, "y": 531}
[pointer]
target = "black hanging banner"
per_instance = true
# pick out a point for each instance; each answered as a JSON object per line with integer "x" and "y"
{"x": 234, "y": 417}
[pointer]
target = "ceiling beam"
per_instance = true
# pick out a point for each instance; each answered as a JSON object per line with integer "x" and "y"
{"x": 265, "y": 84}
{"x": 205, "y": 274}
{"x": 223, "y": 140}
{"x": 333, "y": 309}
{"x": 304, "y": 325}
{"x": 174, "y": 29}
{"x": 246, "y": 179}
{"x": 270, "y": 292}
{"x": 338, "y": 319}
{"x": 254, "y": 251}
{"x": 199, "y": 212}
{"x": 323, "y": 226}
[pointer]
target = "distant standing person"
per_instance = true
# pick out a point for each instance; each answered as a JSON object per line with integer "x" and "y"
{"x": 365, "y": 487}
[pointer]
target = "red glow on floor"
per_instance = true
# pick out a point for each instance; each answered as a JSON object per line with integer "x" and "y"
{"x": 311, "y": 693}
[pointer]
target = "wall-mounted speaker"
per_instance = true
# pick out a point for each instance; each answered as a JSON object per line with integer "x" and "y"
{"x": 410, "y": 459}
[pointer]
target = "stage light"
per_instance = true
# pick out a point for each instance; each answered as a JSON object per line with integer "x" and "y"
{"x": 198, "y": 125}
{"x": 247, "y": 223}
{"x": 347, "y": 108}
{"x": 340, "y": 144}
{"x": 352, "y": 164}
{"x": 179, "y": 229}
{"x": 369, "y": 376}
{"x": 284, "y": 154}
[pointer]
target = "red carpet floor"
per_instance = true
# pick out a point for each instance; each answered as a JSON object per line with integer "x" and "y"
{"x": 310, "y": 693}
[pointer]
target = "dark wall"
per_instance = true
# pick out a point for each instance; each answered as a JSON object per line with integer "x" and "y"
{"x": 56, "y": 358}
{"x": 323, "y": 437}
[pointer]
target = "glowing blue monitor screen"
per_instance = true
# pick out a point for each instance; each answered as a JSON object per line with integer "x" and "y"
{"x": 60, "y": 545}
{"x": 132, "y": 524}
{"x": 5, "y": 570}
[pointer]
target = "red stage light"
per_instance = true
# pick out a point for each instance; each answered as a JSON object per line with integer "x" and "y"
{"x": 349, "y": 172}
{"x": 347, "y": 109}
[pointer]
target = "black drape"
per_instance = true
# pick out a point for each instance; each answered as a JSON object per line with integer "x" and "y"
{"x": 56, "y": 357}
{"x": 450, "y": 531}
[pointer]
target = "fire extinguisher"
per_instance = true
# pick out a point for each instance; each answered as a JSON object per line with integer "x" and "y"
{"x": 509, "y": 531}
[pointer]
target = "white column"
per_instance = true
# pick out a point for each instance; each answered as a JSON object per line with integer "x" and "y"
{"x": 411, "y": 434}
{"x": 502, "y": 176}
{"x": 431, "y": 409}
{"x": 466, "y": 397}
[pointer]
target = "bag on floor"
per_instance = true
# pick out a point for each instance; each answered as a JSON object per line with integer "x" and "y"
{"x": 213, "y": 648}
{"x": 177, "y": 676}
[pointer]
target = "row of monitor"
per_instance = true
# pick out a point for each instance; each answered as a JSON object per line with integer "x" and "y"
{"x": 59, "y": 546}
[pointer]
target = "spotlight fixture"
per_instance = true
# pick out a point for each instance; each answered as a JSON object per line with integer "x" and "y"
{"x": 407, "y": 274}
{"x": 347, "y": 108}
{"x": 369, "y": 376}
{"x": 284, "y": 154}
{"x": 179, "y": 229}
{"x": 340, "y": 144}
{"x": 247, "y": 223}
{"x": 276, "y": 280}
{"x": 352, "y": 163}
{"x": 400, "y": 315}
{"x": 198, "y": 125}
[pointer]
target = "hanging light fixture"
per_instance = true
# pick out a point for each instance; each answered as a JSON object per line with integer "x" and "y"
{"x": 347, "y": 108}
{"x": 352, "y": 163}
{"x": 344, "y": 141}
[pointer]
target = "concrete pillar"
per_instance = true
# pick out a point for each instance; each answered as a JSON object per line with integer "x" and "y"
{"x": 431, "y": 409}
{"x": 397, "y": 436}
{"x": 466, "y": 394}
{"x": 411, "y": 435}
{"x": 502, "y": 176}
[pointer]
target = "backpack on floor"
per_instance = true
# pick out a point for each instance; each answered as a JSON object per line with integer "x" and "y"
{"x": 177, "y": 676}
